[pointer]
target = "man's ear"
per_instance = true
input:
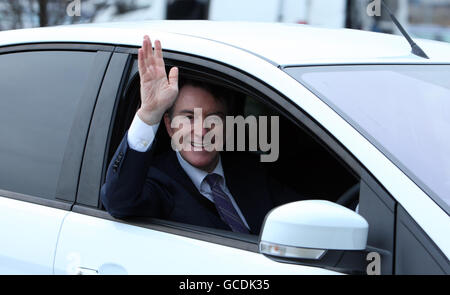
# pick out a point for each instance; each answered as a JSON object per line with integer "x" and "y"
{"x": 167, "y": 122}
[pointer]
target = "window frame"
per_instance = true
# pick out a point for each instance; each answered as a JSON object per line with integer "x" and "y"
{"x": 69, "y": 174}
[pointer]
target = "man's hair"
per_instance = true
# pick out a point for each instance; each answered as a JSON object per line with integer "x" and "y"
{"x": 219, "y": 93}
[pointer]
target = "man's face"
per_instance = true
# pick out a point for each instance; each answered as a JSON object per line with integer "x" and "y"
{"x": 192, "y": 135}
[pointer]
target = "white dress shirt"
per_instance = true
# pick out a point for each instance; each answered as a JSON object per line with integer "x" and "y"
{"x": 140, "y": 138}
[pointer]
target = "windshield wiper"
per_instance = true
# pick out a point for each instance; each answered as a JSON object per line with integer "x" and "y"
{"x": 416, "y": 50}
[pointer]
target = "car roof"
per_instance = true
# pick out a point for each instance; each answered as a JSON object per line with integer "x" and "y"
{"x": 280, "y": 43}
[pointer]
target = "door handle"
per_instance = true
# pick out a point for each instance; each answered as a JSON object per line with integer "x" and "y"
{"x": 105, "y": 269}
{"x": 111, "y": 269}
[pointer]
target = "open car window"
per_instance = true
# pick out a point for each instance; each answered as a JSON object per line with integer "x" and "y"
{"x": 302, "y": 164}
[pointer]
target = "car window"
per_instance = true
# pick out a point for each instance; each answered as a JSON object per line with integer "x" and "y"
{"x": 403, "y": 110}
{"x": 319, "y": 175}
{"x": 40, "y": 92}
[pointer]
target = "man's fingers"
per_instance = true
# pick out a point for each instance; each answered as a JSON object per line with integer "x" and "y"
{"x": 147, "y": 58}
{"x": 144, "y": 47}
{"x": 141, "y": 63}
{"x": 150, "y": 60}
{"x": 173, "y": 77}
{"x": 159, "y": 55}
{"x": 158, "y": 49}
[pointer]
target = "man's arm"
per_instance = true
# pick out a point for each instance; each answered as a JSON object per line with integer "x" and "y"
{"x": 126, "y": 191}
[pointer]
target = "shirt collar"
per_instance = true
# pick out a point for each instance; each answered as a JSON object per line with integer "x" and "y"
{"x": 197, "y": 175}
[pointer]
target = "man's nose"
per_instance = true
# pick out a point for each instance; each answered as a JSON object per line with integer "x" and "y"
{"x": 199, "y": 130}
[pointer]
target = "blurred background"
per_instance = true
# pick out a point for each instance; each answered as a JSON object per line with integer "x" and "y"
{"x": 422, "y": 18}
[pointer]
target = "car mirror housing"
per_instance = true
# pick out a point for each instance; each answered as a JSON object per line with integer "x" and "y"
{"x": 307, "y": 229}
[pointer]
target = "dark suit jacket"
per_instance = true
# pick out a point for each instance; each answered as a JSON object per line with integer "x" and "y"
{"x": 148, "y": 185}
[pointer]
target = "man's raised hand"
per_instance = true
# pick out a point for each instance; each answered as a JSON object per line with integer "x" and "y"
{"x": 158, "y": 92}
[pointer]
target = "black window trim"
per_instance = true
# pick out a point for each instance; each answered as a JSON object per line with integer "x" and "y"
{"x": 100, "y": 132}
{"x": 65, "y": 186}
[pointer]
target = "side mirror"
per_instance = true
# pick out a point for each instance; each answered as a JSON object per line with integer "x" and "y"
{"x": 307, "y": 229}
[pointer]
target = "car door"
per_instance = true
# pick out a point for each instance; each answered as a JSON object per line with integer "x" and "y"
{"x": 93, "y": 242}
{"x": 46, "y": 99}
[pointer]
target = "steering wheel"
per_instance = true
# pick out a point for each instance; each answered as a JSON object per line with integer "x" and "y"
{"x": 349, "y": 197}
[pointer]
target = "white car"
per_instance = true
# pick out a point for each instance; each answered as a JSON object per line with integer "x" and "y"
{"x": 363, "y": 122}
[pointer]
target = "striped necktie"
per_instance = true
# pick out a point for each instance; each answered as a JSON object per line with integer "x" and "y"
{"x": 224, "y": 206}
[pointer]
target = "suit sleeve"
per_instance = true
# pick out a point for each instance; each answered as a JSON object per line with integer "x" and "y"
{"x": 128, "y": 190}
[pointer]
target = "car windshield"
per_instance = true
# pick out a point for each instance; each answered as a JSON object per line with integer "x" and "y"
{"x": 404, "y": 110}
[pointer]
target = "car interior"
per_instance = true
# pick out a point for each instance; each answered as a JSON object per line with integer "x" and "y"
{"x": 304, "y": 164}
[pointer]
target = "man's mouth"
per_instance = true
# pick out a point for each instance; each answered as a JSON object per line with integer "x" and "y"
{"x": 200, "y": 145}
{"x": 196, "y": 144}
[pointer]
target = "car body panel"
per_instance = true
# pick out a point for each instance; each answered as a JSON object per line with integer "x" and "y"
{"x": 117, "y": 248}
{"x": 29, "y": 235}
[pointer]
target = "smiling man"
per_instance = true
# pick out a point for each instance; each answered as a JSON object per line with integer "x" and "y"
{"x": 192, "y": 183}
{"x": 187, "y": 120}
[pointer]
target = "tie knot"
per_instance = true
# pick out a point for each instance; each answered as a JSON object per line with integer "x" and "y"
{"x": 213, "y": 179}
